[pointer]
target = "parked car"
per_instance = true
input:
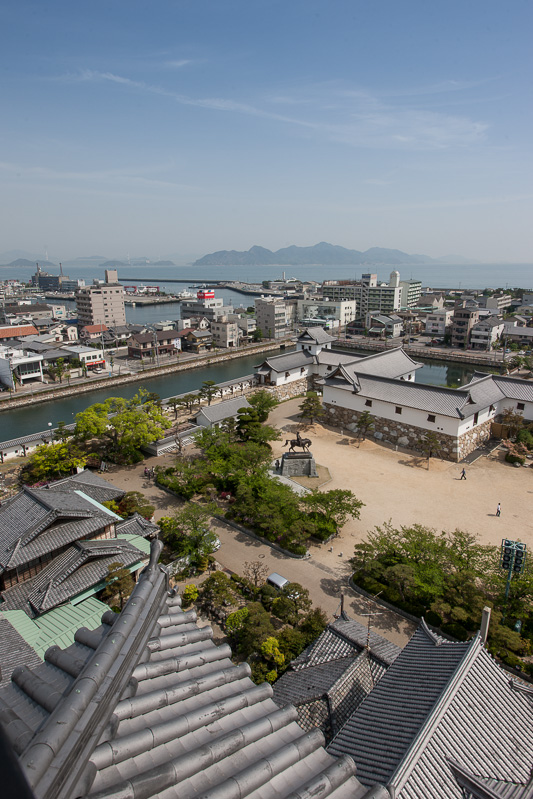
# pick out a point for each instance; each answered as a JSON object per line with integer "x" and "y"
{"x": 277, "y": 581}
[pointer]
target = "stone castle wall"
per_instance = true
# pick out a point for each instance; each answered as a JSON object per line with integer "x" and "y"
{"x": 289, "y": 390}
{"x": 408, "y": 436}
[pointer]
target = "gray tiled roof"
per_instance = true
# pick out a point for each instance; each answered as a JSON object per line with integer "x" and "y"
{"x": 38, "y": 521}
{"x": 391, "y": 363}
{"x": 15, "y": 651}
{"x": 316, "y": 334}
{"x": 515, "y": 388}
{"x": 150, "y": 706}
{"x": 223, "y": 410}
{"x": 91, "y": 484}
{"x": 77, "y": 569}
{"x": 136, "y": 525}
{"x": 342, "y": 638}
{"x": 440, "y": 702}
{"x": 295, "y": 687}
{"x": 292, "y": 360}
{"x": 434, "y": 399}
{"x": 326, "y": 695}
{"x": 335, "y": 358}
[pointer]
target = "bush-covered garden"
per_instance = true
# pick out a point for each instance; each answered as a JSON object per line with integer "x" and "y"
{"x": 265, "y": 627}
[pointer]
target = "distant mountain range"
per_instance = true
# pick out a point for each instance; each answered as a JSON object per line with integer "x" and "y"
{"x": 323, "y": 253}
{"x": 26, "y": 262}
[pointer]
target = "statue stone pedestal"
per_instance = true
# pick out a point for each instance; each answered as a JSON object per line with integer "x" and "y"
{"x": 296, "y": 464}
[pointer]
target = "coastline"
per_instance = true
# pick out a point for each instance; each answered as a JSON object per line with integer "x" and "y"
{"x": 61, "y": 390}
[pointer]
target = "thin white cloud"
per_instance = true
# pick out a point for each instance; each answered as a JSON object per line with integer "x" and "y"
{"x": 353, "y": 117}
{"x": 183, "y": 62}
{"x": 136, "y": 176}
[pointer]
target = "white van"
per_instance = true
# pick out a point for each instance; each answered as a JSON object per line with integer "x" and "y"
{"x": 277, "y": 581}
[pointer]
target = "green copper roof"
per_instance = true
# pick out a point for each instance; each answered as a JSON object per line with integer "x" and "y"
{"x": 137, "y": 541}
{"x": 57, "y": 627}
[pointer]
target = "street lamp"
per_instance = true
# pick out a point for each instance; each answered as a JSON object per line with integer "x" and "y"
{"x": 51, "y": 431}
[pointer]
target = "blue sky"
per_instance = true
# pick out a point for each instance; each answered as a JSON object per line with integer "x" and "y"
{"x": 183, "y": 127}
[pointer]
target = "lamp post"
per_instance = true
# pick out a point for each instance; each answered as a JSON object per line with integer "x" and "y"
{"x": 51, "y": 431}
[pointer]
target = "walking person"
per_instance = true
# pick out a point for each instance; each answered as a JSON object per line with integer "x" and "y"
{"x": 498, "y": 509}
{"x": 463, "y": 474}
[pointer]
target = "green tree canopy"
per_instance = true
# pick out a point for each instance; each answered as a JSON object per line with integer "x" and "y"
{"x": 208, "y": 390}
{"x": 187, "y": 532}
{"x": 52, "y": 461}
{"x": 263, "y": 402}
{"x": 311, "y": 408}
{"x": 337, "y": 504}
{"x": 293, "y": 599}
{"x": 122, "y": 426}
{"x": 364, "y": 424}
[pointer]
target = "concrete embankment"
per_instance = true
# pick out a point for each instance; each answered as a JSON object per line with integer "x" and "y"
{"x": 61, "y": 391}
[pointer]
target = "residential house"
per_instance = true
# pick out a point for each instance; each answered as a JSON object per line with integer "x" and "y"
{"x": 382, "y": 326}
{"x": 523, "y": 336}
{"x": 10, "y": 332}
{"x": 247, "y": 325}
{"x": 193, "y": 323}
{"x": 102, "y": 303}
{"x": 90, "y": 357}
{"x": 197, "y": 341}
{"x": 439, "y": 322}
{"x": 18, "y": 365}
{"x": 92, "y": 332}
{"x": 205, "y": 305}
{"x": 271, "y": 317}
{"x": 498, "y": 302}
{"x": 225, "y": 333}
{"x": 432, "y": 300}
{"x": 153, "y": 344}
{"x": 327, "y": 312}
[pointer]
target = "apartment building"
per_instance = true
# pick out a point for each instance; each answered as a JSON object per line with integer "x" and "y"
{"x": 326, "y": 312}
{"x": 271, "y": 317}
{"x": 102, "y": 303}
{"x": 486, "y": 332}
{"x": 439, "y": 322}
{"x": 374, "y": 297}
{"x": 464, "y": 319}
{"x": 225, "y": 333}
{"x": 205, "y": 305}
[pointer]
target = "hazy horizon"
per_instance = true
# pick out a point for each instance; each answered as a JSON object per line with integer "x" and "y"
{"x": 188, "y": 128}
